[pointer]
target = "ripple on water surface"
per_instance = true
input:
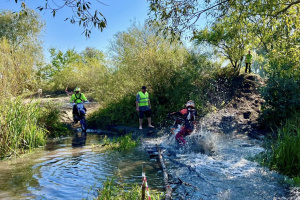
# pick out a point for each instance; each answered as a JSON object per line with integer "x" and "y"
{"x": 64, "y": 172}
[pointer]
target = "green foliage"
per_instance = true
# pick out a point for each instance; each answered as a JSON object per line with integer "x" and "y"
{"x": 111, "y": 190}
{"x": 282, "y": 96}
{"x": 182, "y": 15}
{"x": 22, "y": 29}
{"x": 20, "y": 49}
{"x": 125, "y": 142}
{"x": 172, "y": 74}
{"x": 121, "y": 112}
{"x": 230, "y": 39}
{"x": 83, "y": 13}
{"x": 19, "y": 127}
{"x": 121, "y": 143}
{"x": 71, "y": 69}
{"x": 284, "y": 153}
{"x": 50, "y": 120}
{"x": 25, "y": 126}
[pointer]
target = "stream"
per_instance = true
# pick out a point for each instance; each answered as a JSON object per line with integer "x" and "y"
{"x": 224, "y": 170}
{"x": 209, "y": 167}
{"x": 72, "y": 168}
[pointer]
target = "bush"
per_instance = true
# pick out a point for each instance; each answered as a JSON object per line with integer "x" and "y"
{"x": 50, "y": 120}
{"x": 282, "y": 96}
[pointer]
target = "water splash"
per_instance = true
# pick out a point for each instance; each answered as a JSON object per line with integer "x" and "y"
{"x": 215, "y": 166}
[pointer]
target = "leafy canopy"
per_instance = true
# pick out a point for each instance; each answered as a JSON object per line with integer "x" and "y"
{"x": 82, "y": 13}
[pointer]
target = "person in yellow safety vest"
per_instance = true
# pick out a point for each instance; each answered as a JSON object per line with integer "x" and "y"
{"x": 143, "y": 106}
{"x": 248, "y": 62}
{"x": 77, "y": 97}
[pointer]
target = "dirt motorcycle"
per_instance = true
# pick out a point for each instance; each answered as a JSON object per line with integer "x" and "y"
{"x": 178, "y": 125}
{"x": 177, "y": 122}
{"x": 80, "y": 115}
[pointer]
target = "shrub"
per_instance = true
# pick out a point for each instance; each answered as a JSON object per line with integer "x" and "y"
{"x": 282, "y": 96}
{"x": 50, "y": 120}
{"x": 25, "y": 126}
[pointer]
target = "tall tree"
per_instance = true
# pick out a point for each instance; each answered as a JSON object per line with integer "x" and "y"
{"x": 21, "y": 50}
{"x": 229, "y": 38}
{"x": 182, "y": 15}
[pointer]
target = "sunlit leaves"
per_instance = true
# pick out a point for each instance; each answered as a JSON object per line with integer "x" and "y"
{"x": 82, "y": 13}
{"x": 20, "y": 51}
{"x": 181, "y": 16}
{"x": 71, "y": 69}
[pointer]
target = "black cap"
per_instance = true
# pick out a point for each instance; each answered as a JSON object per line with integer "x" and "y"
{"x": 144, "y": 87}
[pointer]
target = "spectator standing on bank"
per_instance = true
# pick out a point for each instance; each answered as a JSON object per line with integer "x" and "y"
{"x": 248, "y": 62}
{"x": 143, "y": 107}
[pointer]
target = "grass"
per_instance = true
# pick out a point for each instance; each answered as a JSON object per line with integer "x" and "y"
{"x": 111, "y": 190}
{"x": 122, "y": 143}
{"x": 283, "y": 153}
{"x": 24, "y": 127}
{"x": 19, "y": 128}
{"x": 50, "y": 120}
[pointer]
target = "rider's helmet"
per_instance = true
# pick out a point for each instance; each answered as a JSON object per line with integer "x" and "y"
{"x": 190, "y": 103}
{"x": 77, "y": 89}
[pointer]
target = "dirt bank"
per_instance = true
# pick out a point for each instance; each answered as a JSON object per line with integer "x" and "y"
{"x": 240, "y": 115}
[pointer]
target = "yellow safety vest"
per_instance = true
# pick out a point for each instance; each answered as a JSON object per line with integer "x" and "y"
{"x": 144, "y": 99}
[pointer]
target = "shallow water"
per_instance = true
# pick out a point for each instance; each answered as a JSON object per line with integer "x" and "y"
{"x": 225, "y": 171}
{"x": 72, "y": 169}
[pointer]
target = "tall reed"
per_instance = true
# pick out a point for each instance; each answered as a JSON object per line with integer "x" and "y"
{"x": 19, "y": 128}
{"x": 286, "y": 151}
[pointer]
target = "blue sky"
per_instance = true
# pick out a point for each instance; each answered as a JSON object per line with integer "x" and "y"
{"x": 63, "y": 35}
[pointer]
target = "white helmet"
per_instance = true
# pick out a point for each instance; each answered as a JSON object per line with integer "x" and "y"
{"x": 190, "y": 103}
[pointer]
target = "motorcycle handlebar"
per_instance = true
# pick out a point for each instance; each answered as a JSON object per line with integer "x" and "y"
{"x": 84, "y": 102}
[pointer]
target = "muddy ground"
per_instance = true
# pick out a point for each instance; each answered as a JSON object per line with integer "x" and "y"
{"x": 240, "y": 115}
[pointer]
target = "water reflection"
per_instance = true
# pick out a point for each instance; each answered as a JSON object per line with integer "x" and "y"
{"x": 79, "y": 139}
{"x": 63, "y": 171}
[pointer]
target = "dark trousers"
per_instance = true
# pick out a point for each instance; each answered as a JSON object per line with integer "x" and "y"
{"x": 248, "y": 66}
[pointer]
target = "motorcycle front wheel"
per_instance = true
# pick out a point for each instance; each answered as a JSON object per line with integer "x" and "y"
{"x": 83, "y": 124}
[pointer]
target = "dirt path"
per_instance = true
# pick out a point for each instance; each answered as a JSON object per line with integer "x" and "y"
{"x": 66, "y": 108}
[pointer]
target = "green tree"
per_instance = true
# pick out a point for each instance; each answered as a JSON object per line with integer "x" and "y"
{"x": 22, "y": 29}
{"x": 141, "y": 57}
{"x": 21, "y": 51}
{"x": 229, "y": 38}
{"x": 60, "y": 60}
{"x": 183, "y": 15}
{"x": 71, "y": 69}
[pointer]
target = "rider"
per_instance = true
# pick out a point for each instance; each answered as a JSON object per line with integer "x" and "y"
{"x": 77, "y": 97}
{"x": 189, "y": 114}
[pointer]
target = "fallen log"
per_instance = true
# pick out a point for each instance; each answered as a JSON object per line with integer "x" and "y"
{"x": 165, "y": 173}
